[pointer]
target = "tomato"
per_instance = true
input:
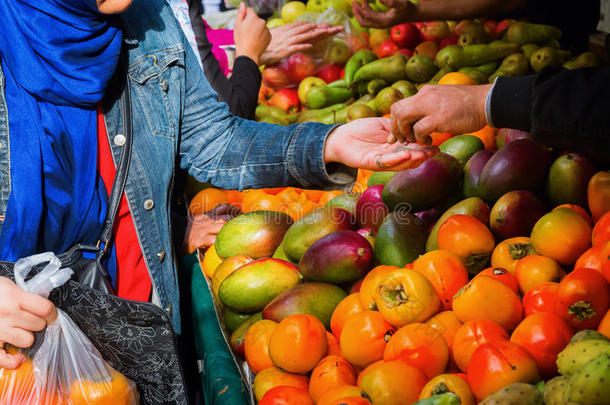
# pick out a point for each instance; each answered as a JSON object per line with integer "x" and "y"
{"x": 256, "y": 345}
{"x": 286, "y": 395}
{"x": 274, "y": 377}
{"x": 405, "y": 296}
{"x": 502, "y": 275}
{"x": 393, "y": 383}
{"x": 488, "y": 298}
{"x": 473, "y": 334}
{"x": 298, "y": 343}
{"x": 582, "y": 298}
{"x": 447, "y": 323}
{"x": 601, "y": 230}
{"x": 330, "y": 372}
{"x": 498, "y": 364}
{"x": 508, "y": 251}
{"x": 469, "y": 239}
{"x": 543, "y": 335}
{"x": 334, "y": 394}
{"x": 349, "y": 306}
{"x": 562, "y": 235}
{"x": 541, "y": 298}
{"x": 421, "y": 346}
{"x": 449, "y": 383}
{"x": 364, "y": 337}
{"x": 351, "y": 400}
{"x": 333, "y": 344}
{"x": 598, "y": 194}
{"x": 535, "y": 269}
{"x": 370, "y": 284}
{"x": 89, "y": 391}
{"x": 604, "y": 325}
{"x": 591, "y": 259}
{"x": 445, "y": 271}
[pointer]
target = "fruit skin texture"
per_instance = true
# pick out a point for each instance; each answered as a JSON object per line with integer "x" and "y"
{"x": 473, "y": 334}
{"x": 364, "y": 338}
{"x": 543, "y": 335}
{"x": 274, "y": 377}
{"x": 541, "y": 298}
{"x": 405, "y": 296}
{"x": 449, "y": 383}
{"x": 577, "y": 354}
{"x": 256, "y": 345}
{"x": 405, "y": 35}
{"x": 515, "y": 214}
{"x": 598, "y": 194}
{"x": 400, "y": 239}
{"x": 503, "y": 276}
{"x": 283, "y": 395}
{"x": 562, "y": 235}
{"x": 370, "y": 208}
{"x": 536, "y": 269}
{"x": 445, "y": 271}
{"x": 298, "y": 343}
{"x": 582, "y": 298}
{"x": 487, "y": 298}
{"x": 589, "y": 386}
{"x": 498, "y": 364}
{"x": 509, "y": 251}
{"x": 517, "y": 393}
{"x": 472, "y": 172}
{"x": 330, "y": 372}
{"x": 393, "y": 383}
{"x": 554, "y": 390}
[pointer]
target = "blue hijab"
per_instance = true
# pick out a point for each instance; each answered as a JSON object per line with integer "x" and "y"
{"x": 57, "y": 57}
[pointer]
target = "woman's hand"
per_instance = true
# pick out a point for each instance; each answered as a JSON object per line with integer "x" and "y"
{"x": 294, "y": 37}
{"x": 400, "y": 11}
{"x": 21, "y": 314}
{"x": 250, "y": 34}
{"x": 202, "y": 229}
{"x": 446, "y": 108}
{"x": 363, "y": 144}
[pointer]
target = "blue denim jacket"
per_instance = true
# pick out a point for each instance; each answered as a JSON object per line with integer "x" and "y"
{"x": 177, "y": 119}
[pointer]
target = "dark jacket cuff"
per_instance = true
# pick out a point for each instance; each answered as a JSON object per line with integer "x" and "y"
{"x": 511, "y": 102}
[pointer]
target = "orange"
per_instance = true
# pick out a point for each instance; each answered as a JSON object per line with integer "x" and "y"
{"x": 487, "y": 135}
{"x": 256, "y": 345}
{"x": 535, "y": 269}
{"x": 330, "y": 372}
{"x": 456, "y": 78}
{"x": 349, "y": 306}
{"x": 117, "y": 391}
{"x": 364, "y": 337}
{"x": 274, "y": 377}
{"x": 207, "y": 199}
{"x": 210, "y": 262}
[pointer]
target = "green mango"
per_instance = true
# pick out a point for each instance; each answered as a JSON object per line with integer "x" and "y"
{"x": 347, "y": 201}
{"x": 400, "y": 239}
{"x": 233, "y": 319}
{"x": 568, "y": 179}
{"x": 462, "y": 147}
{"x": 237, "y": 337}
{"x": 380, "y": 178}
{"x": 280, "y": 254}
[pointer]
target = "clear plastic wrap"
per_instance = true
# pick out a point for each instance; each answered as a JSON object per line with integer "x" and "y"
{"x": 63, "y": 367}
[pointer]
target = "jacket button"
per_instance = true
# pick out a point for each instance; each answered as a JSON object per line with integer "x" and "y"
{"x": 161, "y": 255}
{"x": 119, "y": 140}
{"x": 164, "y": 85}
{"x": 148, "y": 205}
{"x": 169, "y": 309}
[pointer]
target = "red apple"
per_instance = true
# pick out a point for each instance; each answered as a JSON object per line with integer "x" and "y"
{"x": 428, "y": 48}
{"x": 298, "y": 66}
{"x": 342, "y": 74}
{"x": 330, "y": 73}
{"x": 405, "y": 35}
{"x": 418, "y": 24}
{"x": 386, "y": 48}
{"x": 265, "y": 93}
{"x": 490, "y": 27}
{"x": 274, "y": 76}
{"x": 448, "y": 40}
{"x": 434, "y": 30}
{"x": 286, "y": 99}
{"x": 406, "y": 51}
{"x": 503, "y": 26}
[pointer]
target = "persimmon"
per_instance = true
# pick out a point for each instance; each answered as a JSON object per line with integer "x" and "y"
{"x": 393, "y": 383}
{"x": 541, "y": 298}
{"x": 577, "y": 209}
{"x": 604, "y": 325}
{"x": 332, "y": 342}
{"x": 502, "y": 275}
{"x": 473, "y": 334}
{"x": 509, "y": 251}
{"x": 341, "y": 391}
{"x": 469, "y": 239}
{"x": 274, "y": 377}
{"x": 349, "y": 306}
{"x": 351, "y": 400}
{"x": 601, "y": 230}
{"x": 445, "y": 271}
{"x": 286, "y": 395}
{"x": 207, "y": 199}
{"x": 543, "y": 335}
{"x": 256, "y": 345}
{"x": 364, "y": 337}
{"x": 439, "y": 137}
{"x": 420, "y": 346}
{"x": 330, "y": 372}
{"x": 449, "y": 383}
{"x": 370, "y": 284}
{"x": 298, "y": 343}
{"x": 447, "y": 323}
{"x": 598, "y": 194}
{"x": 117, "y": 391}
{"x": 535, "y": 269}
{"x": 591, "y": 258}
{"x": 366, "y": 370}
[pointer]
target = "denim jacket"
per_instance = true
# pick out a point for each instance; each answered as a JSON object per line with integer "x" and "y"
{"x": 178, "y": 120}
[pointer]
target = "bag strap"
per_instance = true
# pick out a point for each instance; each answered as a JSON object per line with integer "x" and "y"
{"x": 120, "y": 178}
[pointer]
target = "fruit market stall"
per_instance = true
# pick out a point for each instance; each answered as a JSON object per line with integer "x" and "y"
{"x": 480, "y": 276}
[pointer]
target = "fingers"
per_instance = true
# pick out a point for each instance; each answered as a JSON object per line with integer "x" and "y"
{"x": 423, "y": 128}
{"x": 36, "y": 305}
{"x": 27, "y": 321}
{"x": 241, "y": 13}
{"x": 10, "y": 361}
{"x": 18, "y": 337}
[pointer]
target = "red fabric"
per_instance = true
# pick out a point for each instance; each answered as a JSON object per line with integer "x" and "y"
{"x": 132, "y": 278}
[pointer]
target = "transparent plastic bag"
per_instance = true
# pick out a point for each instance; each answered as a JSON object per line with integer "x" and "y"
{"x": 62, "y": 367}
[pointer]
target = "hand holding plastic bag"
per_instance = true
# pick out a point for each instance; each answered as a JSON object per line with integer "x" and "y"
{"x": 63, "y": 367}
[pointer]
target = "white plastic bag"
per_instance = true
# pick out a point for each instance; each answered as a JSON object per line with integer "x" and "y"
{"x": 63, "y": 366}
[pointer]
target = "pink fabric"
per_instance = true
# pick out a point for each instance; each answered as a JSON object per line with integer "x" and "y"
{"x": 217, "y": 38}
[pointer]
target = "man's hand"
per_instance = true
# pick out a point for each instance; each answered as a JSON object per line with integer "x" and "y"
{"x": 362, "y": 144}
{"x": 250, "y": 34}
{"x": 294, "y": 37}
{"x": 400, "y": 11}
{"x": 21, "y": 314}
{"x": 446, "y": 108}
{"x": 202, "y": 229}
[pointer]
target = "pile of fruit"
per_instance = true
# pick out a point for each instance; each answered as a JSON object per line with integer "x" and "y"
{"x": 363, "y": 72}
{"x": 461, "y": 280}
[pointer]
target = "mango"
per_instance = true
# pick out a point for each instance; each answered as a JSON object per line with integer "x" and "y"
{"x": 400, "y": 239}
{"x": 317, "y": 299}
{"x": 280, "y": 254}
{"x": 312, "y": 227}
{"x": 568, "y": 178}
{"x": 227, "y": 267}
{"x": 347, "y": 201}
{"x": 515, "y": 214}
{"x": 380, "y": 178}
{"x": 423, "y": 186}
{"x": 338, "y": 257}
{"x": 256, "y": 234}
{"x": 237, "y": 337}
{"x": 473, "y": 170}
{"x": 462, "y": 147}
{"x": 234, "y": 319}
{"x": 251, "y": 287}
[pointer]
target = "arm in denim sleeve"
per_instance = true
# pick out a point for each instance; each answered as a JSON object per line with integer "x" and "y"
{"x": 231, "y": 152}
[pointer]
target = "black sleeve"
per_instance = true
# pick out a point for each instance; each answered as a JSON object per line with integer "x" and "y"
{"x": 240, "y": 92}
{"x": 565, "y": 109}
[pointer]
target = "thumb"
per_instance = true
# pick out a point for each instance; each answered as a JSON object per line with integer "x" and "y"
{"x": 389, "y": 3}
{"x": 241, "y": 13}
{"x": 423, "y": 128}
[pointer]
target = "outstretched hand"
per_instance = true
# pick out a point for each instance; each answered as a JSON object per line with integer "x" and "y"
{"x": 400, "y": 11}
{"x": 363, "y": 144}
{"x": 250, "y": 34}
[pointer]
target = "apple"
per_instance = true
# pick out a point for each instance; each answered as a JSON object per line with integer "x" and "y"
{"x": 292, "y": 10}
{"x": 342, "y": 74}
{"x": 307, "y": 84}
{"x": 448, "y": 40}
{"x": 428, "y": 48}
{"x": 490, "y": 27}
{"x": 406, "y": 51}
{"x": 298, "y": 66}
{"x": 377, "y": 36}
{"x": 386, "y": 48}
{"x": 330, "y": 73}
{"x": 356, "y": 42}
{"x": 274, "y": 76}
{"x": 316, "y": 6}
{"x": 434, "y": 30}
{"x": 338, "y": 52}
{"x": 275, "y": 22}
{"x": 503, "y": 26}
{"x": 286, "y": 99}
{"x": 405, "y": 35}
{"x": 344, "y": 6}
{"x": 265, "y": 93}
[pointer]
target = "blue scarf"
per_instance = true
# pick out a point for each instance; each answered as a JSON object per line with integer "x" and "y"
{"x": 57, "y": 57}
